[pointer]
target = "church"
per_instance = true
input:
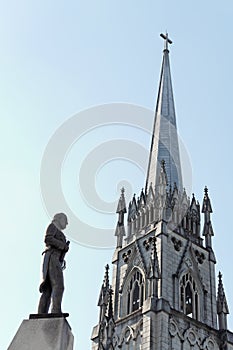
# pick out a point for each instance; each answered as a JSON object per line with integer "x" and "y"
{"x": 164, "y": 294}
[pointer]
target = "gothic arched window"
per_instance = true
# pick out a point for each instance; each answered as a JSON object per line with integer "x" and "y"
{"x": 135, "y": 292}
{"x": 189, "y": 296}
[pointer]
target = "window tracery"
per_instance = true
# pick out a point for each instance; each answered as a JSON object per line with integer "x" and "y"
{"x": 189, "y": 300}
{"x": 131, "y": 339}
{"x": 135, "y": 292}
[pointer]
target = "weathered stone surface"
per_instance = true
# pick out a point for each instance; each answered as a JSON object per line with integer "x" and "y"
{"x": 43, "y": 334}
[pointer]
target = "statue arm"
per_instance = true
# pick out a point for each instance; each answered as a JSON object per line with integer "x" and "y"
{"x": 52, "y": 241}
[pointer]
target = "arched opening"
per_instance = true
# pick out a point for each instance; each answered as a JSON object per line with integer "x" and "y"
{"x": 134, "y": 292}
{"x": 189, "y": 299}
{"x": 136, "y": 299}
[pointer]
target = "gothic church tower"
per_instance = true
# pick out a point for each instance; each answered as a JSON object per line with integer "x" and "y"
{"x": 163, "y": 294}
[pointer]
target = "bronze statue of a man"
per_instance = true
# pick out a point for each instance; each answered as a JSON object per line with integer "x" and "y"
{"x": 52, "y": 286}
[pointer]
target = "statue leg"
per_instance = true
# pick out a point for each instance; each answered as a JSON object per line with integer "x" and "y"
{"x": 57, "y": 284}
{"x": 45, "y": 299}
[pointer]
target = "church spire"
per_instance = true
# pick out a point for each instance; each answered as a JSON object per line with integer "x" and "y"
{"x": 164, "y": 144}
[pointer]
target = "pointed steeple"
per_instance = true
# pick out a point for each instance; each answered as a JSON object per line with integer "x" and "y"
{"x": 207, "y": 210}
{"x": 104, "y": 294}
{"x": 222, "y": 307}
{"x": 164, "y": 144}
{"x": 106, "y": 321}
{"x": 121, "y": 210}
{"x": 206, "y": 207}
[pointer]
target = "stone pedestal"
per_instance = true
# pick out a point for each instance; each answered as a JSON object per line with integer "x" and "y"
{"x": 43, "y": 333}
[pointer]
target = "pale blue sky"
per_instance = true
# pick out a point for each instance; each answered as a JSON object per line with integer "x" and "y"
{"x": 58, "y": 58}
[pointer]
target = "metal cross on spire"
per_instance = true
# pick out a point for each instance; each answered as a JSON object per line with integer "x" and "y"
{"x": 166, "y": 40}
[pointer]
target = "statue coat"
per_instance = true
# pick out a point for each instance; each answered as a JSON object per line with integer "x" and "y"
{"x": 55, "y": 241}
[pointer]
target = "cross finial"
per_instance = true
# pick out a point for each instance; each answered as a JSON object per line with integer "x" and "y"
{"x": 166, "y": 40}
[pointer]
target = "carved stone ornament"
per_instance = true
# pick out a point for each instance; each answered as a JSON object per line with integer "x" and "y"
{"x": 126, "y": 256}
{"x": 147, "y": 243}
{"x": 200, "y": 256}
{"x": 192, "y": 337}
{"x": 173, "y": 329}
{"x": 177, "y": 243}
{"x": 188, "y": 262}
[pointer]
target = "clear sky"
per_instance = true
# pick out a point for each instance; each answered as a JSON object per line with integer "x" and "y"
{"x": 60, "y": 58}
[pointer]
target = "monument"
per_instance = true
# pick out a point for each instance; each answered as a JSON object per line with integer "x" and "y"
{"x": 44, "y": 330}
{"x": 52, "y": 286}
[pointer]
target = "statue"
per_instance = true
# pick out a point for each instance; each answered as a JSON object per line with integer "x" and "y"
{"x": 52, "y": 286}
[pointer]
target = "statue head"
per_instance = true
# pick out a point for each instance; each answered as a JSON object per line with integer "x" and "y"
{"x": 60, "y": 221}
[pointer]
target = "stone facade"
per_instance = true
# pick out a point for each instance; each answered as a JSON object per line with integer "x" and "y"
{"x": 163, "y": 294}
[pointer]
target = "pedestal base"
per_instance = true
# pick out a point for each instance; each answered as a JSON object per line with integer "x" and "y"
{"x": 47, "y": 333}
{"x": 36, "y": 316}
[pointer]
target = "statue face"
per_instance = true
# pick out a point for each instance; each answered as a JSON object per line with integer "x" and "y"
{"x": 63, "y": 222}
